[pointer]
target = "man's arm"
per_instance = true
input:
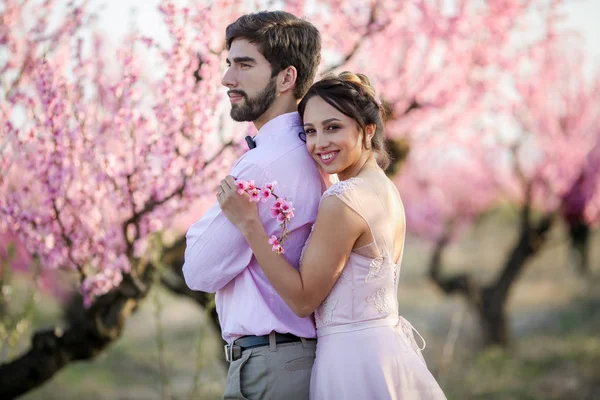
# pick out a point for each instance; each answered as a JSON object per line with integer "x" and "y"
{"x": 216, "y": 251}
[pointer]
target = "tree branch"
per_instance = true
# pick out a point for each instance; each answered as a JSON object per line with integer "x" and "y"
{"x": 461, "y": 283}
{"x": 153, "y": 203}
{"x": 370, "y": 30}
{"x": 490, "y": 300}
{"x": 530, "y": 240}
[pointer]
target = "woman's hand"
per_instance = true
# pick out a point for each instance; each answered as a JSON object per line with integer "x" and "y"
{"x": 237, "y": 208}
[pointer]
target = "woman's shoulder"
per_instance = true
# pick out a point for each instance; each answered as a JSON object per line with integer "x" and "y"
{"x": 341, "y": 187}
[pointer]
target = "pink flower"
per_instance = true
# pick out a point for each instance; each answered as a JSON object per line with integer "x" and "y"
{"x": 265, "y": 194}
{"x": 271, "y": 185}
{"x": 282, "y": 210}
{"x": 277, "y": 248}
{"x": 286, "y": 211}
{"x": 242, "y": 186}
{"x": 273, "y": 240}
{"x": 276, "y": 209}
{"x": 254, "y": 195}
{"x": 147, "y": 41}
{"x": 274, "y": 212}
{"x": 286, "y": 206}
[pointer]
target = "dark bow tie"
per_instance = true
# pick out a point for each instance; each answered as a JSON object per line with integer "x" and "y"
{"x": 251, "y": 142}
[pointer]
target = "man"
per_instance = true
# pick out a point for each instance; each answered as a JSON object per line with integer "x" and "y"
{"x": 272, "y": 61}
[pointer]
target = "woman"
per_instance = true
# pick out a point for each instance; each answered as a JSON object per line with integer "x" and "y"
{"x": 349, "y": 268}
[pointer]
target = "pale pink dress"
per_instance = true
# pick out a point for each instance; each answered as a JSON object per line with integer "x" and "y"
{"x": 365, "y": 350}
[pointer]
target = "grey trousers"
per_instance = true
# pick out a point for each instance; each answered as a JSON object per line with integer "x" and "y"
{"x": 272, "y": 372}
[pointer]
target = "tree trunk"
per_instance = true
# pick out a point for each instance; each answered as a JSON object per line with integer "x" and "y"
{"x": 87, "y": 335}
{"x": 91, "y": 331}
{"x": 490, "y": 301}
{"x": 493, "y": 321}
{"x": 579, "y": 234}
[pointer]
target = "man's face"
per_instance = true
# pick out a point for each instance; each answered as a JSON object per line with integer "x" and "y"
{"x": 248, "y": 77}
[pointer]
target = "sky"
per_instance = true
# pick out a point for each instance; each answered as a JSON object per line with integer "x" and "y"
{"x": 583, "y": 16}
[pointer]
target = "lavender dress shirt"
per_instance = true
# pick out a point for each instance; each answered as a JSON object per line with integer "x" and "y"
{"x": 218, "y": 258}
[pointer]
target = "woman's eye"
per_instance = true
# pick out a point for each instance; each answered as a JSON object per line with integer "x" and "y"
{"x": 332, "y": 127}
{"x": 309, "y": 131}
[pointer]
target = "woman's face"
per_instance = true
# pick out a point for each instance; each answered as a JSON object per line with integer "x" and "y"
{"x": 334, "y": 140}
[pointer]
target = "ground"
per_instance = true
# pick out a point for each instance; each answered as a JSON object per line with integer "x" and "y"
{"x": 554, "y": 316}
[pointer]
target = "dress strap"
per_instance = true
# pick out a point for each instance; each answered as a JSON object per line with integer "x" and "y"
{"x": 340, "y": 187}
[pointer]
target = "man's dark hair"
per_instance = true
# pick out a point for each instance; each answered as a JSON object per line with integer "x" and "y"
{"x": 284, "y": 40}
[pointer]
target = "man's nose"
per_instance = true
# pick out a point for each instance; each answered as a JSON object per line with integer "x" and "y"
{"x": 229, "y": 79}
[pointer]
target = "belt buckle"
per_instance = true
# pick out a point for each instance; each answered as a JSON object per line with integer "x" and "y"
{"x": 228, "y": 353}
{"x": 232, "y": 352}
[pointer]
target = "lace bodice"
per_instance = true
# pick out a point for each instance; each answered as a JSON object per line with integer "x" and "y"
{"x": 367, "y": 287}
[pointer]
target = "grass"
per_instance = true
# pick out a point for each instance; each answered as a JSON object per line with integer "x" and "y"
{"x": 554, "y": 315}
{"x": 543, "y": 367}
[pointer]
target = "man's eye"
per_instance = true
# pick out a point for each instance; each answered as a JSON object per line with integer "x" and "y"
{"x": 244, "y": 65}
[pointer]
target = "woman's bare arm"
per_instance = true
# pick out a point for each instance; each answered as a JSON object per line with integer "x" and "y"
{"x": 335, "y": 232}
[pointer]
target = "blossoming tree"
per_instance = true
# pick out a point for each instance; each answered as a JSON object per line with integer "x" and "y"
{"x": 98, "y": 157}
{"x": 544, "y": 159}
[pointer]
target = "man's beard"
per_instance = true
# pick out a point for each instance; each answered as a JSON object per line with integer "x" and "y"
{"x": 253, "y": 108}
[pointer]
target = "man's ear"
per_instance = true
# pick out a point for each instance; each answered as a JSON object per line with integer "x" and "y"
{"x": 287, "y": 79}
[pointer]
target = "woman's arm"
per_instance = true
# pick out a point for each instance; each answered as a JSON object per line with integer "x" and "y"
{"x": 336, "y": 230}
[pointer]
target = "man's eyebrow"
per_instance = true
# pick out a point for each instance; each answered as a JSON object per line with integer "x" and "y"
{"x": 241, "y": 60}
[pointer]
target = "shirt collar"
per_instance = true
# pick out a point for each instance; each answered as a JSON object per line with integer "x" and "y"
{"x": 277, "y": 126}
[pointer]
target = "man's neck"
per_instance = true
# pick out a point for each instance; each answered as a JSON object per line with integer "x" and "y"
{"x": 278, "y": 108}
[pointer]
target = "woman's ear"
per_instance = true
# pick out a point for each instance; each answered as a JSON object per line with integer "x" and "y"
{"x": 369, "y": 133}
{"x": 287, "y": 79}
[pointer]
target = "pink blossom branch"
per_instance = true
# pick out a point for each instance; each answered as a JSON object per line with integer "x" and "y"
{"x": 281, "y": 210}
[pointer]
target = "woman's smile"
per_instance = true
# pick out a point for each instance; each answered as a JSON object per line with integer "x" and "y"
{"x": 328, "y": 157}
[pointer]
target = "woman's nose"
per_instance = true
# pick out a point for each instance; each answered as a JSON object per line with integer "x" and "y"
{"x": 321, "y": 141}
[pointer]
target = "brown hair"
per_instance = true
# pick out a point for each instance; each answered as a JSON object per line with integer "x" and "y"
{"x": 284, "y": 40}
{"x": 354, "y": 96}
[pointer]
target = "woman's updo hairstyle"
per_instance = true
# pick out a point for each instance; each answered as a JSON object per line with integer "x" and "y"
{"x": 354, "y": 96}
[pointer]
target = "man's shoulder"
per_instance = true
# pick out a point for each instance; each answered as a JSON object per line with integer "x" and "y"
{"x": 291, "y": 154}
{"x": 293, "y": 169}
